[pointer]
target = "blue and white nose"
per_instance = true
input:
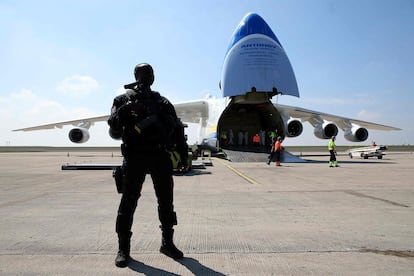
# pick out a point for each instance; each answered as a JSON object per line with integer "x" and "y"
{"x": 255, "y": 61}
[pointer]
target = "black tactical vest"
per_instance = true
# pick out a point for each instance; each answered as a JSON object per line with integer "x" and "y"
{"x": 153, "y": 126}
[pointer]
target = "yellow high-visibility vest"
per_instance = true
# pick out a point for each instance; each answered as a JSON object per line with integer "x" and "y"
{"x": 331, "y": 145}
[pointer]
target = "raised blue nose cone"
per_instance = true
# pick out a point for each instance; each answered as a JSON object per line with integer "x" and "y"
{"x": 256, "y": 62}
{"x": 252, "y": 23}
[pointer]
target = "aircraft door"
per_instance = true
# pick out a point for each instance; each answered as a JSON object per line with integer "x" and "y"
{"x": 239, "y": 122}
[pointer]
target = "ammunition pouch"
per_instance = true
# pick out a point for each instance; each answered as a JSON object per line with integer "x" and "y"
{"x": 175, "y": 158}
{"x": 145, "y": 123}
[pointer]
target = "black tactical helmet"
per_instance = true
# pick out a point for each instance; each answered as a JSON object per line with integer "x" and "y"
{"x": 144, "y": 74}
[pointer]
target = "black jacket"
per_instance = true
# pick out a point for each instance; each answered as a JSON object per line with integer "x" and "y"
{"x": 147, "y": 120}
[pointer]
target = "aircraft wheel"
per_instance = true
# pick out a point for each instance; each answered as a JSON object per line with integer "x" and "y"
{"x": 380, "y": 157}
{"x": 350, "y": 155}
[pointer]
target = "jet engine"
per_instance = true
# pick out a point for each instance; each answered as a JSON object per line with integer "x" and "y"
{"x": 294, "y": 128}
{"x": 79, "y": 135}
{"x": 356, "y": 134}
{"x": 325, "y": 130}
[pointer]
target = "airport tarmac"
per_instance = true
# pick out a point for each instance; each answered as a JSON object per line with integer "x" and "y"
{"x": 233, "y": 218}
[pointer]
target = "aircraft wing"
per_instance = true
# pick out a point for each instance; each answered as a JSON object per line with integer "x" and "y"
{"x": 315, "y": 117}
{"x": 87, "y": 122}
{"x": 192, "y": 112}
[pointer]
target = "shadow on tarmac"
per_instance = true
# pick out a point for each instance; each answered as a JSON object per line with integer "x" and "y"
{"x": 192, "y": 173}
{"x": 193, "y": 265}
{"x": 197, "y": 268}
{"x": 146, "y": 269}
{"x": 350, "y": 162}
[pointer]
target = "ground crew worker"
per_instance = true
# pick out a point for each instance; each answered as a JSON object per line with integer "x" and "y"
{"x": 256, "y": 139}
{"x": 278, "y": 150}
{"x": 223, "y": 138}
{"x": 150, "y": 129}
{"x": 231, "y": 137}
{"x": 272, "y": 137}
{"x": 272, "y": 153}
{"x": 332, "y": 151}
{"x": 246, "y": 138}
{"x": 262, "y": 135}
{"x": 240, "y": 137}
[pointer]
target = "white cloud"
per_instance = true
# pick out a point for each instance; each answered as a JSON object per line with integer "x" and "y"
{"x": 25, "y": 109}
{"x": 368, "y": 116}
{"x": 23, "y": 95}
{"x": 78, "y": 85}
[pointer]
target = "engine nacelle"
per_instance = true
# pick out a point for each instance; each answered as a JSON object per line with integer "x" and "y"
{"x": 356, "y": 134}
{"x": 326, "y": 130}
{"x": 294, "y": 128}
{"x": 79, "y": 135}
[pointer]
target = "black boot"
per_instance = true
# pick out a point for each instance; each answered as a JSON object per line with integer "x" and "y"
{"x": 124, "y": 240}
{"x": 167, "y": 245}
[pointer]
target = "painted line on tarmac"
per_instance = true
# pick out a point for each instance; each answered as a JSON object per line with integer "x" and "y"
{"x": 239, "y": 173}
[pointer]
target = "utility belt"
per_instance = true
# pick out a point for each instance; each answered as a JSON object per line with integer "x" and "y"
{"x": 152, "y": 148}
{"x": 119, "y": 174}
{"x": 174, "y": 155}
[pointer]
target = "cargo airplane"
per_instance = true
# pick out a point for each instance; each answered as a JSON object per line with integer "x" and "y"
{"x": 255, "y": 69}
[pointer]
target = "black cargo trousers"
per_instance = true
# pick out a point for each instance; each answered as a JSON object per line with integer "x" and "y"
{"x": 138, "y": 163}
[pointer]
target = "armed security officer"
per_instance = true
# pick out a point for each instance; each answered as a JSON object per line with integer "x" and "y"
{"x": 150, "y": 129}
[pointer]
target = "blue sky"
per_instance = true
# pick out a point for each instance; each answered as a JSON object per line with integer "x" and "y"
{"x": 63, "y": 60}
